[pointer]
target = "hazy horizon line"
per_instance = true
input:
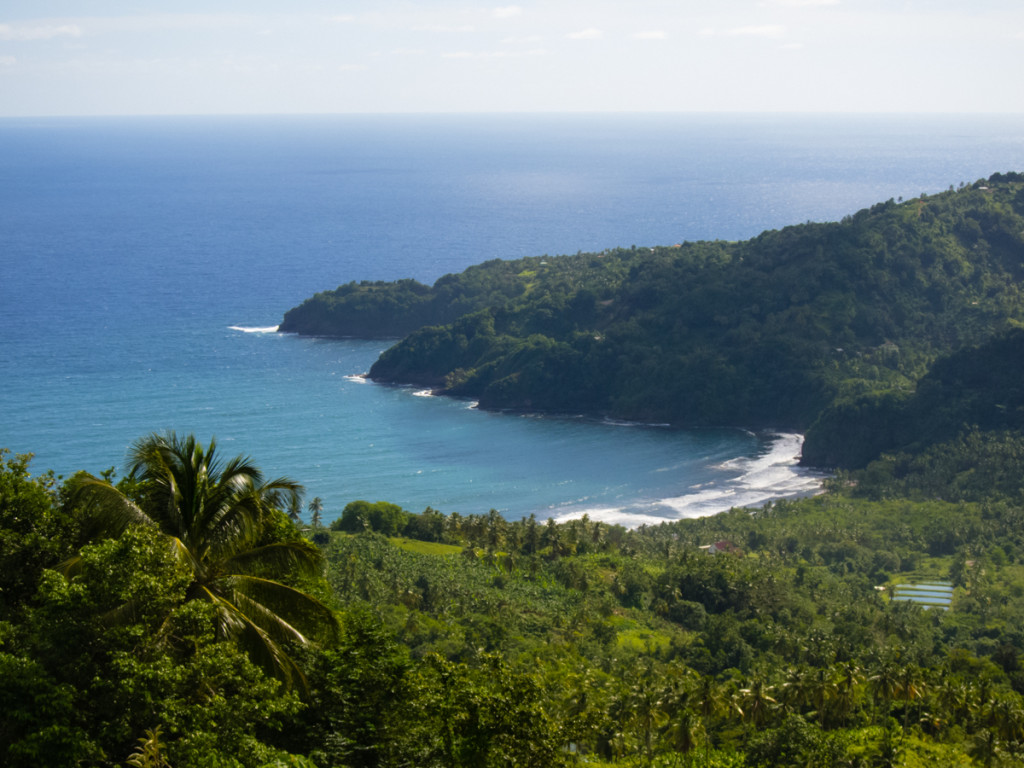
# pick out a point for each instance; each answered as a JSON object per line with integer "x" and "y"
{"x": 512, "y": 113}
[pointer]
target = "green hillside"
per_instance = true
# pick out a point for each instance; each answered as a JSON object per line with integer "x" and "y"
{"x": 478, "y": 642}
{"x": 767, "y": 332}
{"x": 980, "y": 387}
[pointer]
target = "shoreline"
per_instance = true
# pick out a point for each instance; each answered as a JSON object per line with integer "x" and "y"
{"x": 772, "y": 476}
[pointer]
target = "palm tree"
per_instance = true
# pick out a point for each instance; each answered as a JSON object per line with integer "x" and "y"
{"x": 710, "y": 700}
{"x": 216, "y": 518}
{"x": 951, "y": 697}
{"x": 496, "y": 530}
{"x": 531, "y": 538}
{"x": 757, "y": 702}
{"x": 987, "y": 747}
{"x": 316, "y": 506}
{"x": 796, "y": 690}
{"x": 884, "y": 685}
{"x": 643, "y": 710}
{"x": 1008, "y": 719}
{"x": 909, "y": 688}
{"x": 821, "y": 692}
{"x": 295, "y": 509}
{"x": 846, "y": 688}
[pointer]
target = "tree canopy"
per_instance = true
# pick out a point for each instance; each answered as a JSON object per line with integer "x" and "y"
{"x": 471, "y": 640}
{"x": 768, "y": 332}
{"x": 223, "y": 523}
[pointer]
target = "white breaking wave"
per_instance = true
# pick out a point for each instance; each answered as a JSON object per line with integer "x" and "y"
{"x": 613, "y": 516}
{"x": 360, "y": 377}
{"x": 773, "y": 475}
{"x": 251, "y": 329}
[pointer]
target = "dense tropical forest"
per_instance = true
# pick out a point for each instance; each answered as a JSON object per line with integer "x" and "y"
{"x": 779, "y": 331}
{"x": 187, "y": 614}
{"x": 186, "y": 610}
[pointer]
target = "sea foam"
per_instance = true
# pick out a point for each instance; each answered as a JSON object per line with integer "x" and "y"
{"x": 752, "y": 481}
{"x": 254, "y": 329}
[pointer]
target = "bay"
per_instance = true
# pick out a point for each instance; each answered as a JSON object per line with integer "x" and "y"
{"x": 141, "y": 256}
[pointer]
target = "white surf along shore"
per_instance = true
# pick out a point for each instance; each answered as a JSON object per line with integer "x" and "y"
{"x": 750, "y": 482}
{"x": 753, "y": 481}
{"x": 254, "y": 329}
{"x": 746, "y": 482}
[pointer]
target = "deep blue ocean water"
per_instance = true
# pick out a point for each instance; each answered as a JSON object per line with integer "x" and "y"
{"x": 140, "y": 256}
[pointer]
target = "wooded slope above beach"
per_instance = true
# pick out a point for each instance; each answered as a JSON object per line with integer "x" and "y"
{"x": 773, "y": 332}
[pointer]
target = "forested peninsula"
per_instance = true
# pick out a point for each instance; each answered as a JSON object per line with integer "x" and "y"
{"x": 821, "y": 328}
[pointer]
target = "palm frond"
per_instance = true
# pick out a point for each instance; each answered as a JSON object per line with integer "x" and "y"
{"x": 277, "y": 607}
{"x": 230, "y": 621}
{"x": 300, "y": 557}
{"x": 257, "y": 642}
{"x": 283, "y": 493}
{"x": 101, "y": 509}
{"x": 214, "y": 514}
{"x": 184, "y": 555}
{"x": 270, "y": 622}
{"x": 124, "y": 614}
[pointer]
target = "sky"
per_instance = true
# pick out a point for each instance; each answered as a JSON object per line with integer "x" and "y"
{"x": 154, "y": 57}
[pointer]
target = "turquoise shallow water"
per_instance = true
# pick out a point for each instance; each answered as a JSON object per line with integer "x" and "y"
{"x": 140, "y": 257}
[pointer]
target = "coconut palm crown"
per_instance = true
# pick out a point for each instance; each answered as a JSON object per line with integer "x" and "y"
{"x": 215, "y": 515}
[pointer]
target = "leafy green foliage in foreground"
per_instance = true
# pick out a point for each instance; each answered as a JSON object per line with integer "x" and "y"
{"x": 89, "y": 664}
{"x": 219, "y": 521}
{"x": 475, "y": 641}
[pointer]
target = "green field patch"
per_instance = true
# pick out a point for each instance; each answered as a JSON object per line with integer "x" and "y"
{"x": 930, "y": 569}
{"x": 425, "y": 547}
{"x": 643, "y": 640}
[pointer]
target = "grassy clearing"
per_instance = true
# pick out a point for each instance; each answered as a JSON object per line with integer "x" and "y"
{"x": 425, "y": 547}
{"x": 643, "y": 640}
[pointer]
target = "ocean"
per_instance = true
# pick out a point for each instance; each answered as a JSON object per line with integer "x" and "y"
{"x": 146, "y": 262}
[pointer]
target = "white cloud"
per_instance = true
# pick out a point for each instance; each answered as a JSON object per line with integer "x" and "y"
{"x": 7, "y": 61}
{"x": 765, "y": 30}
{"x": 124, "y": 27}
{"x": 494, "y": 54}
{"x": 518, "y": 40}
{"x": 45, "y": 32}
{"x": 444, "y": 28}
{"x": 802, "y": 3}
{"x": 507, "y": 12}
{"x": 586, "y": 34}
{"x": 342, "y": 19}
{"x": 654, "y": 34}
